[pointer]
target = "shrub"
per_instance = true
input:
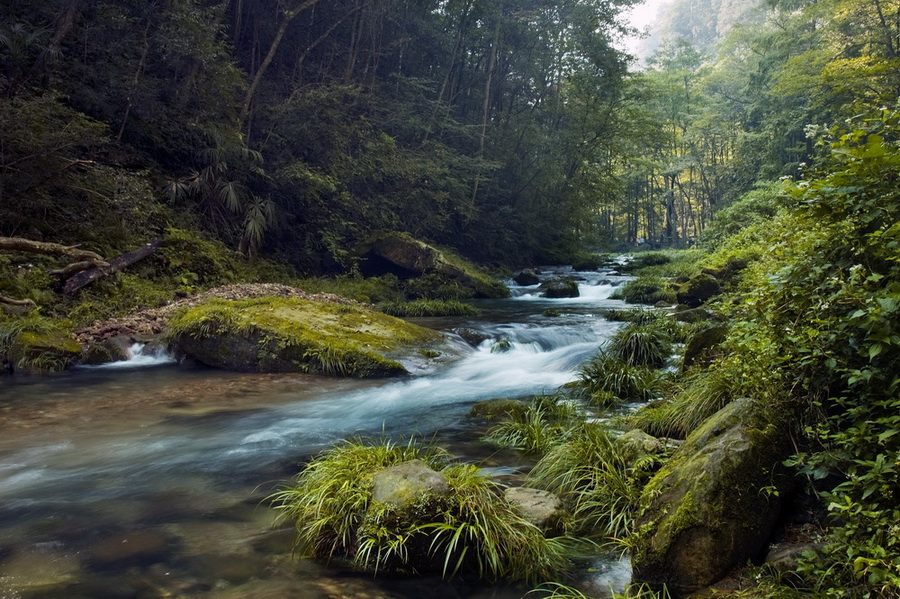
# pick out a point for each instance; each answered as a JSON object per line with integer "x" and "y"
{"x": 473, "y": 529}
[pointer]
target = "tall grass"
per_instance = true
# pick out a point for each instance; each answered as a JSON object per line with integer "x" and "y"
{"x": 641, "y": 344}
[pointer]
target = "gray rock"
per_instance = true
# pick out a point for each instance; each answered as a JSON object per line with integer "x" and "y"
{"x": 526, "y": 277}
{"x": 539, "y": 507}
{"x": 401, "y": 485}
{"x": 636, "y": 444}
{"x": 708, "y": 509}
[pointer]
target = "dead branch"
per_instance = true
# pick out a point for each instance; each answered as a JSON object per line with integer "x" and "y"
{"x": 20, "y": 244}
{"x": 86, "y": 277}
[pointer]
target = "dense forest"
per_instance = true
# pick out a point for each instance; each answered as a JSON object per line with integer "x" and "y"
{"x": 266, "y": 139}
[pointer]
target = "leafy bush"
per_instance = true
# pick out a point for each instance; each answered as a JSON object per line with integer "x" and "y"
{"x": 473, "y": 529}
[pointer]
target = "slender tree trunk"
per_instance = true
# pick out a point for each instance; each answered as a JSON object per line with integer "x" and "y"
{"x": 486, "y": 106}
{"x": 273, "y": 48}
{"x": 129, "y": 102}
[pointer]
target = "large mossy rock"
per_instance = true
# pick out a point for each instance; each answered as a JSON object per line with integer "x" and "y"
{"x": 698, "y": 289}
{"x": 276, "y": 334}
{"x": 402, "y": 255}
{"x": 559, "y": 287}
{"x": 702, "y": 346}
{"x": 42, "y": 351}
{"x": 714, "y": 504}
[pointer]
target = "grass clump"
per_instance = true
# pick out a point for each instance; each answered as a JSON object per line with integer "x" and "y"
{"x": 606, "y": 378}
{"x": 544, "y": 423}
{"x": 428, "y": 307}
{"x": 597, "y": 479}
{"x": 470, "y": 530}
{"x": 641, "y": 345}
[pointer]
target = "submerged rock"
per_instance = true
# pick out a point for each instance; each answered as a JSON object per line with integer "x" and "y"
{"x": 499, "y": 408}
{"x": 296, "y": 335}
{"x": 406, "y": 257}
{"x": 714, "y": 504}
{"x": 402, "y": 485}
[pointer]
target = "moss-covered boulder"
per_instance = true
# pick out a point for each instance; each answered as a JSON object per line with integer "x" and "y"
{"x": 527, "y": 277}
{"x": 42, "y": 351}
{"x": 403, "y": 484}
{"x": 277, "y": 334}
{"x": 714, "y": 504}
{"x": 403, "y": 255}
{"x": 702, "y": 346}
{"x": 698, "y": 289}
{"x": 559, "y": 287}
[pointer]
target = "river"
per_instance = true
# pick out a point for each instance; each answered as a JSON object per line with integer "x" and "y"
{"x": 147, "y": 479}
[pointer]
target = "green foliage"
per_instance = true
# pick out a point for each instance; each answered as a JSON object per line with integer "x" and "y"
{"x": 435, "y": 286}
{"x": 471, "y": 530}
{"x": 428, "y": 308}
{"x": 36, "y": 343}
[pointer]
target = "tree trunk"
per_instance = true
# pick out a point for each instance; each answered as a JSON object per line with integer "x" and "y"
{"x": 19, "y": 244}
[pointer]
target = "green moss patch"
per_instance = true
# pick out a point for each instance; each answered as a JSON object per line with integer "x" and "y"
{"x": 295, "y": 335}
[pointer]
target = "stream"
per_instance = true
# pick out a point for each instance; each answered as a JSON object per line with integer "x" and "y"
{"x": 146, "y": 479}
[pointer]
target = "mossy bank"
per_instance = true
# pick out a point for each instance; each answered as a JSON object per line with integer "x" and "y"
{"x": 272, "y": 334}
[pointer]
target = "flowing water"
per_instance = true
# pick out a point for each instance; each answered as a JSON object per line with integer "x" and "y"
{"x": 144, "y": 478}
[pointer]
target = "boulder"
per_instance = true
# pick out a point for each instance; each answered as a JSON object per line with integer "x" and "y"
{"x": 277, "y": 334}
{"x": 698, "y": 289}
{"x": 691, "y": 315}
{"x": 42, "y": 351}
{"x": 406, "y": 257}
{"x": 541, "y": 508}
{"x": 559, "y": 287}
{"x": 636, "y": 444}
{"x": 113, "y": 349}
{"x": 471, "y": 336}
{"x": 403, "y": 484}
{"x": 714, "y": 504}
{"x": 526, "y": 277}
{"x": 702, "y": 345}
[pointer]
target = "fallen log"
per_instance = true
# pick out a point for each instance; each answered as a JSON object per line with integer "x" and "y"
{"x": 20, "y": 244}
{"x": 14, "y": 302}
{"x": 86, "y": 277}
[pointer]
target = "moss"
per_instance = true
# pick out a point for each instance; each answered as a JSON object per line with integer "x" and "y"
{"x": 499, "y": 408}
{"x": 285, "y": 334}
{"x": 43, "y": 350}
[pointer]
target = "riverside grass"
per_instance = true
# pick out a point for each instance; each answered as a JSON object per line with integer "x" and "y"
{"x": 473, "y": 529}
{"x": 545, "y": 422}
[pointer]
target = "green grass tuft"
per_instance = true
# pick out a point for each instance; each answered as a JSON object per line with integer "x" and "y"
{"x": 428, "y": 307}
